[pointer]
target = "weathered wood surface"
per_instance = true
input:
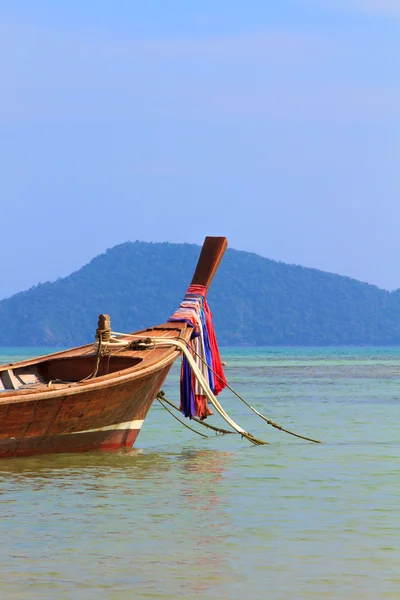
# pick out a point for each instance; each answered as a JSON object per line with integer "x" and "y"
{"x": 104, "y": 418}
{"x": 210, "y": 258}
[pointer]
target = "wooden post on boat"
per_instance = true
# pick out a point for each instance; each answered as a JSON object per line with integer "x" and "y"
{"x": 104, "y": 328}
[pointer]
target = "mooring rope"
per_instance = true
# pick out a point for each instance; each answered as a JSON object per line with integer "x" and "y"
{"x": 209, "y": 394}
{"x": 180, "y": 420}
{"x": 161, "y": 396}
{"x": 269, "y": 421}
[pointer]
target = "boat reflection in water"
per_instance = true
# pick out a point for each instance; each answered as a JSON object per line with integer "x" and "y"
{"x": 135, "y": 520}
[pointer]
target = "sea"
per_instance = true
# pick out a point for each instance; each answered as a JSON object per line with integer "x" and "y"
{"x": 183, "y": 516}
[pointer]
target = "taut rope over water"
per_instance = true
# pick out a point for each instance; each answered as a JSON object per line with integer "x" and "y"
{"x": 161, "y": 396}
{"x": 272, "y": 423}
{"x": 175, "y": 417}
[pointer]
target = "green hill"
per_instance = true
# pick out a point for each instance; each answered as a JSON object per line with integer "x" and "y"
{"x": 255, "y": 301}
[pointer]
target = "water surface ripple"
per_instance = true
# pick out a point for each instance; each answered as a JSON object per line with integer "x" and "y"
{"x": 187, "y": 517}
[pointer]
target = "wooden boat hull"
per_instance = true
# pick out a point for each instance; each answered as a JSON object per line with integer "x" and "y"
{"x": 91, "y": 420}
{"x": 85, "y": 399}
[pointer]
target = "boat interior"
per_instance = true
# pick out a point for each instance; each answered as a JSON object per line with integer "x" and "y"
{"x": 67, "y": 369}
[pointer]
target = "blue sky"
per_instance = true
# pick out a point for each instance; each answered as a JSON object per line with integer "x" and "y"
{"x": 277, "y": 126}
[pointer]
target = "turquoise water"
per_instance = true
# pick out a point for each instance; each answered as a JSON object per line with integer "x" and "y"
{"x": 187, "y": 517}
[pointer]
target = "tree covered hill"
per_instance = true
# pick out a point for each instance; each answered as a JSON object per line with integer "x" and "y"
{"x": 254, "y": 300}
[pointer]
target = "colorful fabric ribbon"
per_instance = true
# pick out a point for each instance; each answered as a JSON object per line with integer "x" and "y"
{"x": 195, "y": 311}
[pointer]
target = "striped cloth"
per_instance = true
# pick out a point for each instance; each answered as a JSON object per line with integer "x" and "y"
{"x": 195, "y": 311}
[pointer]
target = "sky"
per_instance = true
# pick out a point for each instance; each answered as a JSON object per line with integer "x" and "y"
{"x": 276, "y": 124}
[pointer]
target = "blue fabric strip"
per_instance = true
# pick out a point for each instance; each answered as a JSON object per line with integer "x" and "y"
{"x": 188, "y": 405}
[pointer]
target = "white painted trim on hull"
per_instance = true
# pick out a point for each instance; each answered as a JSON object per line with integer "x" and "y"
{"x": 136, "y": 424}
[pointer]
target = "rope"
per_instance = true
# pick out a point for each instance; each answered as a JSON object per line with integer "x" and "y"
{"x": 207, "y": 391}
{"x": 101, "y": 349}
{"x": 180, "y": 421}
{"x": 161, "y": 396}
{"x": 272, "y": 423}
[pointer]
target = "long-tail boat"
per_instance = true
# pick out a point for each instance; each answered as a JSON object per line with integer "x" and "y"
{"x": 85, "y": 399}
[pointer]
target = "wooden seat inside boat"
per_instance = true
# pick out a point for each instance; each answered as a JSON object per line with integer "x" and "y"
{"x": 21, "y": 378}
{"x": 70, "y": 369}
